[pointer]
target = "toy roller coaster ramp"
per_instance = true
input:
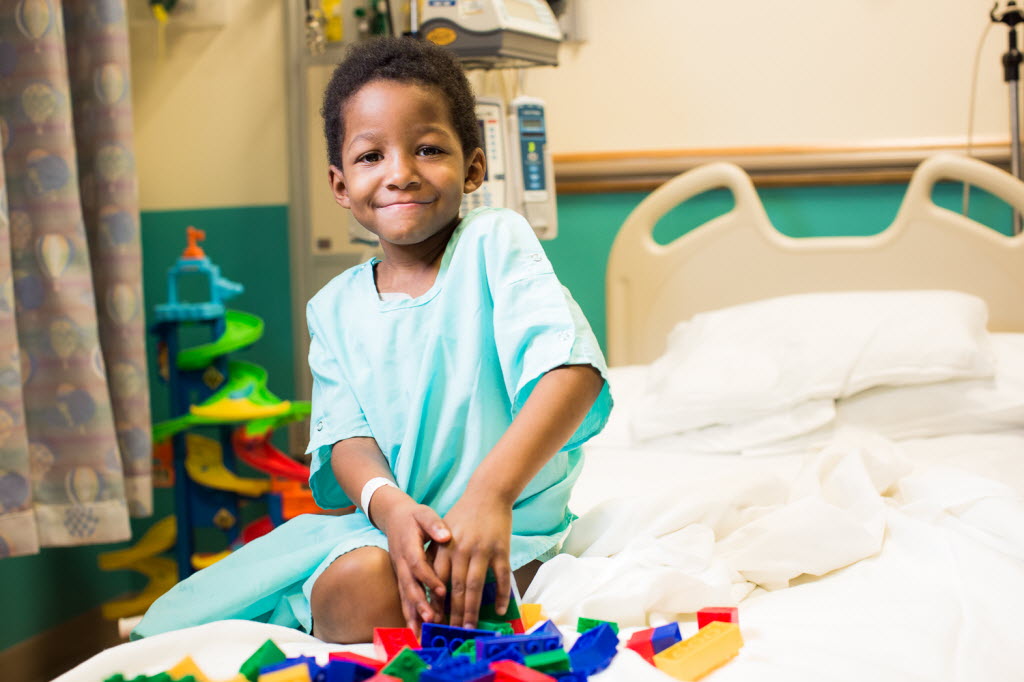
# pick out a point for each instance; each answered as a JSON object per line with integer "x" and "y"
{"x": 241, "y": 330}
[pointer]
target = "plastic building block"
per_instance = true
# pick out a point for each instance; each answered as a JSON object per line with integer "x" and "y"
{"x": 501, "y": 628}
{"x": 459, "y": 670}
{"x": 510, "y": 671}
{"x": 356, "y": 658}
{"x": 654, "y": 640}
{"x": 339, "y": 670}
{"x": 387, "y": 642}
{"x": 550, "y": 629}
{"x": 267, "y": 654}
{"x": 289, "y": 662}
{"x": 585, "y": 624}
{"x": 594, "y": 650}
{"x": 531, "y": 614}
{"x": 433, "y": 634}
{"x": 549, "y": 662}
{"x": 406, "y": 666}
{"x": 496, "y": 648}
{"x": 713, "y": 645}
{"x": 381, "y": 677}
{"x": 569, "y": 676}
{"x": 433, "y": 655}
{"x": 467, "y": 648}
{"x": 187, "y": 666}
{"x": 725, "y": 614}
{"x": 295, "y": 673}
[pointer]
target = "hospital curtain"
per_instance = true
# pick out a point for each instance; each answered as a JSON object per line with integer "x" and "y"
{"x": 75, "y": 448}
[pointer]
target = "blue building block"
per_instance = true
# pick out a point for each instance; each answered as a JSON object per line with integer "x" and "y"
{"x": 459, "y": 671}
{"x": 569, "y": 676}
{"x": 433, "y": 656}
{"x": 435, "y": 635}
{"x": 665, "y": 636}
{"x": 594, "y": 650}
{"x": 344, "y": 671}
{"x": 497, "y": 648}
{"x": 549, "y": 629}
{"x": 310, "y": 662}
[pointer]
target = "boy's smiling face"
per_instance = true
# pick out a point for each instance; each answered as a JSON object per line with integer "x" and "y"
{"x": 403, "y": 170}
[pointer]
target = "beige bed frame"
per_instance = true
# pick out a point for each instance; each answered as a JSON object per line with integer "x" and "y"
{"x": 740, "y": 256}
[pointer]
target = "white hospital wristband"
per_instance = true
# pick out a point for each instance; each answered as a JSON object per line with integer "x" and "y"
{"x": 372, "y": 486}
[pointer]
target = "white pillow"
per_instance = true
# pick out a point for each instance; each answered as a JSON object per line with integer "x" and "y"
{"x": 753, "y": 360}
{"x": 628, "y": 384}
{"x": 931, "y": 410}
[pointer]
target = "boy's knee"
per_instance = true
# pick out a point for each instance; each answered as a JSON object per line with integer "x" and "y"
{"x": 356, "y": 593}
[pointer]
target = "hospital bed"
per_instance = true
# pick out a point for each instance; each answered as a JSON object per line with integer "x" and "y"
{"x": 827, "y": 433}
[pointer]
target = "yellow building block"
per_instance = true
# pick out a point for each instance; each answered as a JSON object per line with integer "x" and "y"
{"x": 691, "y": 659}
{"x": 296, "y": 673}
{"x": 531, "y": 615}
{"x": 186, "y": 667}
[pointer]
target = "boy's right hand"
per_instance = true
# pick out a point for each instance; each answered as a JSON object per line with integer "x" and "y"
{"x": 409, "y": 526}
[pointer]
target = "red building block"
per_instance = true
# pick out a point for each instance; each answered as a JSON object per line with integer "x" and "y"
{"x": 725, "y": 614}
{"x": 510, "y": 671}
{"x": 381, "y": 677}
{"x": 387, "y": 642}
{"x": 356, "y": 658}
{"x": 641, "y": 643}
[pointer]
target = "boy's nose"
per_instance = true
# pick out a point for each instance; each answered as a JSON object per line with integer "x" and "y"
{"x": 402, "y": 172}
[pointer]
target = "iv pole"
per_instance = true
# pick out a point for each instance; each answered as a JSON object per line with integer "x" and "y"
{"x": 1012, "y": 16}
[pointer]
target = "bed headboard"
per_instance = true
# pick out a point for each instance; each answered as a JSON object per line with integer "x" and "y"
{"x": 740, "y": 257}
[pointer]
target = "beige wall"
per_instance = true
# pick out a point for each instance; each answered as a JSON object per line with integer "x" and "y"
{"x": 210, "y": 115}
{"x": 210, "y": 112}
{"x": 673, "y": 74}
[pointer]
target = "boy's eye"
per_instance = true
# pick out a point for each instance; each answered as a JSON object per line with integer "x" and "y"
{"x": 431, "y": 151}
{"x": 370, "y": 157}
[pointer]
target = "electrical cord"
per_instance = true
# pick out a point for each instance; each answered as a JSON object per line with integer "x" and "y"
{"x": 972, "y": 101}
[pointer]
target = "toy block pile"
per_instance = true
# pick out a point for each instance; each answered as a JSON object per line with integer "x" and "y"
{"x": 495, "y": 651}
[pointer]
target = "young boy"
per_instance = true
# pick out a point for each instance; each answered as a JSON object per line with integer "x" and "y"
{"x": 453, "y": 382}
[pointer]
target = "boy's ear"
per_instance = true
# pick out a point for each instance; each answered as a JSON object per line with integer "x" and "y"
{"x": 476, "y": 169}
{"x": 338, "y": 186}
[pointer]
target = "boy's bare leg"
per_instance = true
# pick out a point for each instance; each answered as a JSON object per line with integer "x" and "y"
{"x": 355, "y": 594}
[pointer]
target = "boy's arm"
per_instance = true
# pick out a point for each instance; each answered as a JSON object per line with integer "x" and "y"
{"x": 480, "y": 522}
{"x": 407, "y": 524}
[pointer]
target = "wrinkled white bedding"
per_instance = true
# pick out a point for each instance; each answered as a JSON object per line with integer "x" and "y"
{"x": 855, "y": 554}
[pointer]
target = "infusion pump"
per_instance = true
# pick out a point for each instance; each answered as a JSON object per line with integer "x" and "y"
{"x": 520, "y": 173}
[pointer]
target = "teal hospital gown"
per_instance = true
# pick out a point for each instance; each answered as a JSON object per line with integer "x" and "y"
{"x": 435, "y": 380}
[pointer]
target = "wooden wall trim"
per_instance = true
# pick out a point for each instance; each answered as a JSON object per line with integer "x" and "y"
{"x": 883, "y": 162}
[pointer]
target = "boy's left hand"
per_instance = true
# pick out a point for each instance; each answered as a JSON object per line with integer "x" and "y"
{"x": 481, "y": 532}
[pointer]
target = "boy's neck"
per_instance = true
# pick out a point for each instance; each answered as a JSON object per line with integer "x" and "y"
{"x": 412, "y": 269}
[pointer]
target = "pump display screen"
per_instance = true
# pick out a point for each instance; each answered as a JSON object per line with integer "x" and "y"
{"x": 531, "y": 125}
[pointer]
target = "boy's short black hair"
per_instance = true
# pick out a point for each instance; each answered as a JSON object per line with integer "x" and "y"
{"x": 406, "y": 60}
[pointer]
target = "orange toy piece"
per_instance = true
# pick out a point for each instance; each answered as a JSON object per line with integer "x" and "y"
{"x": 531, "y": 615}
{"x": 693, "y": 658}
{"x": 295, "y": 498}
{"x": 187, "y": 667}
{"x": 193, "y": 250}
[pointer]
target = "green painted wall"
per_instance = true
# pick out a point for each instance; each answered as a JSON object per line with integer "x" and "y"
{"x": 251, "y": 246}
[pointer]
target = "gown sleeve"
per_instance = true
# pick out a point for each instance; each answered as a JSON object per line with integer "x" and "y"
{"x": 336, "y": 415}
{"x": 538, "y": 326}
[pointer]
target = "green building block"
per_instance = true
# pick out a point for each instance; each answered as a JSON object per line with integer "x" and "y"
{"x": 162, "y": 677}
{"x": 116, "y": 677}
{"x": 584, "y": 624}
{"x": 467, "y": 648}
{"x": 552, "y": 661}
{"x": 501, "y": 628}
{"x": 406, "y": 666}
{"x": 267, "y": 654}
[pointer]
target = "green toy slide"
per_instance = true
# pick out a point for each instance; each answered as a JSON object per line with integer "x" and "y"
{"x": 240, "y": 331}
